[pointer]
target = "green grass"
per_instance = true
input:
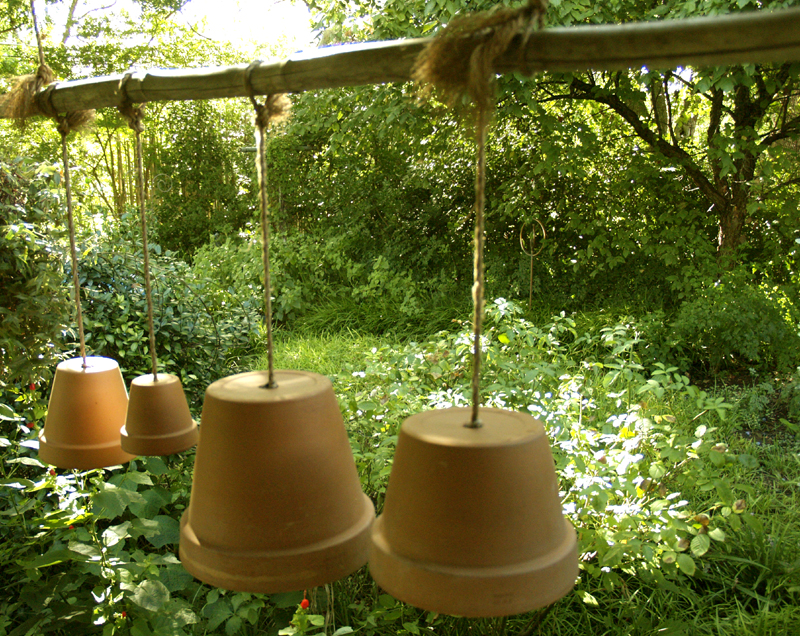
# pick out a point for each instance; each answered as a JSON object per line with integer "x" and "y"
{"x": 612, "y": 414}
{"x": 748, "y": 584}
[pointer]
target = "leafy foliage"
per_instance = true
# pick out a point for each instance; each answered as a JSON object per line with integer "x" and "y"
{"x": 735, "y": 323}
{"x": 200, "y": 327}
{"x": 34, "y": 301}
{"x": 199, "y": 192}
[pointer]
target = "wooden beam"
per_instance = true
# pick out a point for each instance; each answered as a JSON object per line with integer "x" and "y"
{"x": 752, "y": 37}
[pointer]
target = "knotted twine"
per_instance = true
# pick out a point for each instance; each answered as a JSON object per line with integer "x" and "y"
{"x": 274, "y": 109}
{"x": 134, "y": 115}
{"x": 459, "y": 62}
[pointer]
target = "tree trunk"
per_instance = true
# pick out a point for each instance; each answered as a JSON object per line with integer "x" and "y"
{"x": 731, "y": 232}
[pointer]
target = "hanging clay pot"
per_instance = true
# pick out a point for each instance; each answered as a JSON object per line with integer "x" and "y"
{"x": 472, "y": 522}
{"x": 87, "y": 408}
{"x": 276, "y": 502}
{"x": 158, "y": 420}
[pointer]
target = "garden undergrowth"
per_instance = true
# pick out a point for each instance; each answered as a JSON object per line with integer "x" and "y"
{"x": 686, "y": 524}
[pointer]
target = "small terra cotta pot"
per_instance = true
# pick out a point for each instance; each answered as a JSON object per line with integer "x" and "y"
{"x": 158, "y": 420}
{"x": 86, "y": 410}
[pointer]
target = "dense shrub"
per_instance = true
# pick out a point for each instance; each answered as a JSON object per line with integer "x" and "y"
{"x": 200, "y": 327}
{"x": 34, "y": 301}
{"x": 737, "y": 323}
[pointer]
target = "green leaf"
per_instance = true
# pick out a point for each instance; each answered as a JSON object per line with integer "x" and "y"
{"x": 286, "y": 599}
{"x": 343, "y": 630}
{"x": 387, "y": 601}
{"x": 26, "y": 461}
{"x": 174, "y": 577}
{"x": 686, "y": 564}
{"x": 155, "y": 466}
{"x": 724, "y": 491}
{"x": 717, "y": 534}
{"x": 217, "y": 613}
{"x": 167, "y": 532}
{"x": 153, "y": 499}
{"x": 411, "y": 627}
{"x": 316, "y": 619}
{"x": 700, "y": 545}
{"x": 7, "y": 413}
{"x": 748, "y": 461}
{"x": 112, "y": 502}
{"x": 138, "y": 478}
{"x": 233, "y": 625}
{"x": 588, "y": 598}
{"x": 114, "y": 534}
{"x": 52, "y": 558}
{"x": 150, "y": 595}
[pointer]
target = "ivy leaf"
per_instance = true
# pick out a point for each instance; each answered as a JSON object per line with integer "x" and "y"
{"x": 151, "y": 595}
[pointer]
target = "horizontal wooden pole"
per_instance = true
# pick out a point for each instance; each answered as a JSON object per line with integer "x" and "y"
{"x": 753, "y": 37}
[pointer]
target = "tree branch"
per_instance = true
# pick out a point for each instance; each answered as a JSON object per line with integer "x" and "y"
{"x": 789, "y": 129}
{"x": 789, "y": 182}
{"x": 582, "y": 90}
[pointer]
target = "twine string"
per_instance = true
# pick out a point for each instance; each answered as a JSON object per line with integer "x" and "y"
{"x": 64, "y": 129}
{"x": 478, "y": 285}
{"x": 459, "y": 62}
{"x": 134, "y": 115}
{"x": 262, "y": 118}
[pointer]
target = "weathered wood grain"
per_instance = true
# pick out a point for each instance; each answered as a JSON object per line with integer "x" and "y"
{"x": 734, "y": 39}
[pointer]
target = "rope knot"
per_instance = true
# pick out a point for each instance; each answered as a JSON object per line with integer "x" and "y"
{"x": 132, "y": 113}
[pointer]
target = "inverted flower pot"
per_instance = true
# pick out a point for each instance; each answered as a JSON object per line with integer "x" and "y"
{"x": 276, "y": 503}
{"x": 86, "y": 410}
{"x": 158, "y": 420}
{"x": 472, "y": 522}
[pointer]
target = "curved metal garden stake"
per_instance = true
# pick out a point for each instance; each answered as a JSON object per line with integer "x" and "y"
{"x": 532, "y": 254}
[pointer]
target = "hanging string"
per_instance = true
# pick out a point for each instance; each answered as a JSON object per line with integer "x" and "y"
{"x": 134, "y": 115}
{"x": 64, "y": 129}
{"x": 459, "y": 62}
{"x": 274, "y": 108}
{"x": 481, "y": 124}
{"x": 25, "y": 100}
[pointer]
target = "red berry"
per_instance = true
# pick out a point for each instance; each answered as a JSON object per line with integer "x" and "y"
{"x": 52, "y": 472}
{"x": 124, "y": 614}
{"x": 31, "y": 387}
{"x": 304, "y": 603}
{"x": 72, "y": 527}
